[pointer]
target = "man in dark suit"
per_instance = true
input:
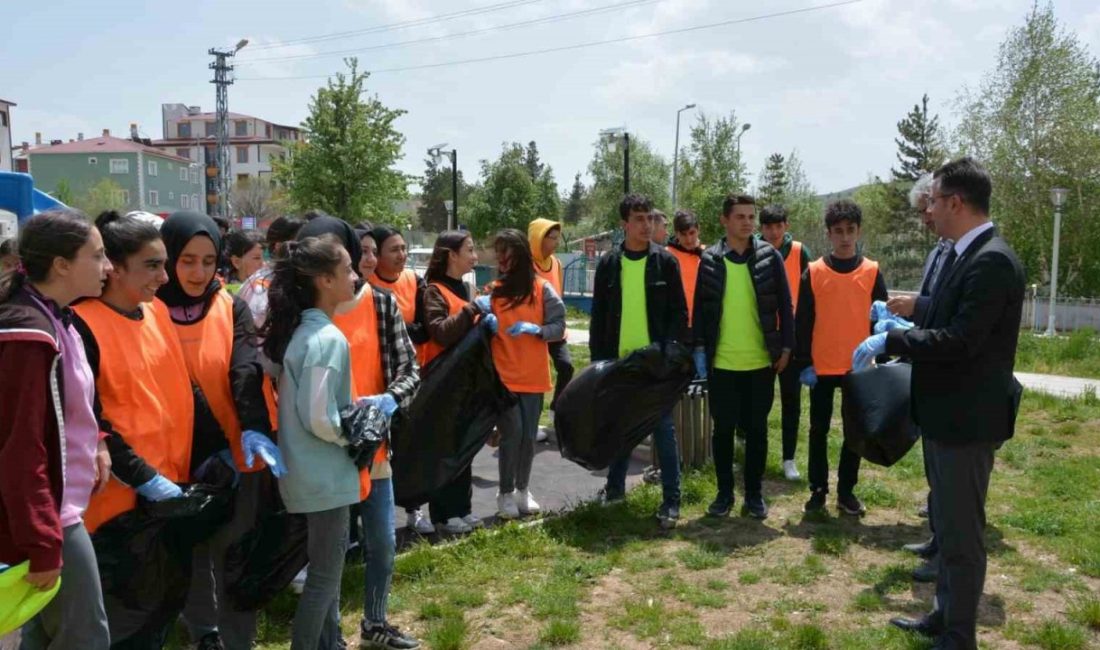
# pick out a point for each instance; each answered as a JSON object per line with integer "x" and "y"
{"x": 964, "y": 396}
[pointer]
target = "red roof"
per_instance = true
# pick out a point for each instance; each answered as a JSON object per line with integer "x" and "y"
{"x": 104, "y": 144}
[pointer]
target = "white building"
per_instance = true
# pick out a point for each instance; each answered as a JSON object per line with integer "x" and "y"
{"x": 253, "y": 142}
{"x": 5, "y": 135}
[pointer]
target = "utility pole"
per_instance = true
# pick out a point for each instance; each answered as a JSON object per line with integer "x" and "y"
{"x": 676, "y": 154}
{"x": 222, "y": 81}
{"x": 437, "y": 152}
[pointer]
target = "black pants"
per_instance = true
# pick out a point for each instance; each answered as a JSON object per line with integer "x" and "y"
{"x": 821, "y": 413}
{"x": 453, "y": 499}
{"x": 741, "y": 399}
{"x": 790, "y": 398}
{"x": 928, "y": 477}
{"x": 563, "y": 366}
{"x": 960, "y": 480}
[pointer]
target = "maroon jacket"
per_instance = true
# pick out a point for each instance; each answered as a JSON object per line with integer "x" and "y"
{"x": 31, "y": 440}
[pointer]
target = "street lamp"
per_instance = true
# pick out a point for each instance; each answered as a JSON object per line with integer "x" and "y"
{"x": 436, "y": 153}
{"x": 744, "y": 127}
{"x": 611, "y": 134}
{"x": 676, "y": 154}
{"x": 1057, "y": 197}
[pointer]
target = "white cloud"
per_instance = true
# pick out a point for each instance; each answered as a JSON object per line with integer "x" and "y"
{"x": 661, "y": 72}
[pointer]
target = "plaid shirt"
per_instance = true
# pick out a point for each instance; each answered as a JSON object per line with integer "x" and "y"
{"x": 399, "y": 368}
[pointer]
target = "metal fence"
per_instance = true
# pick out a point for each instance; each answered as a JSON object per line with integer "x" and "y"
{"x": 1070, "y": 313}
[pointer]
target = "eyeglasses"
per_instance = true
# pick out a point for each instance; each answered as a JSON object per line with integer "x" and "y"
{"x": 932, "y": 197}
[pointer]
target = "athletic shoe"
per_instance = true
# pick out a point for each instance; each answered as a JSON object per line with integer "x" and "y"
{"x": 385, "y": 637}
{"x": 419, "y": 523}
{"x": 526, "y": 503}
{"x": 455, "y": 526}
{"x": 850, "y": 505}
{"x": 607, "y": 497}
{"x": 210, "y": 641}
{"x": 668, "y": 514}
{"x": 298, "y": 584}
{"x": 720, "y": 507}
{"x": 816, "y": 502}
{"x": 506, "y": 506}
{"x": 543, "y": 433}
{"x": 473, "y": 521}
{"x": 790, "y": 471}
{"x": 755, "y": 507}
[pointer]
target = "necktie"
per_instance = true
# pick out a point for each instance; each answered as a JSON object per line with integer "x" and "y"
{"x": 929, "y": 281}
{"x": 945, "y": 271}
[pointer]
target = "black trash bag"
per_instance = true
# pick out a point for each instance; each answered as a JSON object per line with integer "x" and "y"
{"x": 265, "y": 560}
{"x": 144, "y": 555}
{"x": 878, "y": 424}
{"x": 611, "y": 406}
{"x": 449, "y": 421}
{"x": 365, "y": 430}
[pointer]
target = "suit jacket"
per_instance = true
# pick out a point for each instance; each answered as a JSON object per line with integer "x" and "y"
{"x": 962, "y": 387}
{"x": 924, "y": 300}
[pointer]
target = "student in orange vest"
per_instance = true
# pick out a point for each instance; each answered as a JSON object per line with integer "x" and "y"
{"x": 688, "y": 251}
{"x": 449, "y": 314}
{"x": 544, "y": 236}
{"x": 143, "y": 401}
{"x": 408, "y": 288}
{"x": 218, "y": 338}
{"x": 383, "y": 372}
{"x": 530, "y": 316}
{"x": 834, "y": 303}
{"x": 796, "y": 258}
{"x": 53, "y": 456}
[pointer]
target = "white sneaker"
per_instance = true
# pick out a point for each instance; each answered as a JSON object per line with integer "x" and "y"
{"x": 473, "y": 521}
{"x": 526, "y": 503}
{"x": 790, "y": 471}
{"x": 456, "y": 526}
{"x": 506, "y": 506}
{"x": 298, "y": 584}
{"x": 543, "y": 433}
{"x": 420, "y": 523}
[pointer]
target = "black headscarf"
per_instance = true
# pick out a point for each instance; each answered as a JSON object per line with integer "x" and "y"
{"x": 176, "y": 231}
{"x": 327, "y": 225}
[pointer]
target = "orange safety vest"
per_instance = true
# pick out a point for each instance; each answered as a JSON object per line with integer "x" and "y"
{"x": 842, "y": 313}
{"x": 517, "y": 358}
{"x": 554, "y": 275}
{"x": 689, "y": 274}
{"x": 271, "y": 400}
{"x": 360, "y": 326}
{"x": 432, "y": 349}
{"x": 793, "y": 266}
{"x": 208, "y": 349}
{"x": 404, "y": 290}
{"x": 145, "y": 393}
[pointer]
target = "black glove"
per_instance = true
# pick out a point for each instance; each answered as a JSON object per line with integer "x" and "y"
{"x": 365, "y": 428}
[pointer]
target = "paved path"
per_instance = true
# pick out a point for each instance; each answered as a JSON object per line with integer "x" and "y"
{"x": 1057, "y": 385}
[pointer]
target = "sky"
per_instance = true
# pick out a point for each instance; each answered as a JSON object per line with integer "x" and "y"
{"x": 829, "y": 82}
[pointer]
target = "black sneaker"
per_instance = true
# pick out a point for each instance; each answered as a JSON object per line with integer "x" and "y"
{"x": 211, "y": 641}
{"x": 755, "y": 507}
{"x": 606, "y": 496}
{"x": 850, "y": 505}
{"x": 720, "y": 507}
{"x": 386, "y": 637}
{"x": 668, "y": 514}
{"x": 816, "y": 502}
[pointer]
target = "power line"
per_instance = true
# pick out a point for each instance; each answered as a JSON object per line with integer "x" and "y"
{"x": 526, "y": 23}
{"x": 578, "y": 46}
{"x": 405, "y": 24}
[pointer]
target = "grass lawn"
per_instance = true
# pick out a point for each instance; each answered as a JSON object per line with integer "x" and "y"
{"x": 608, "y": 577}
{"x": 1075, "y": 355}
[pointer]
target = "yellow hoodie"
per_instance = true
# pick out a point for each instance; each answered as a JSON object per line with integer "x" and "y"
{"x": 544, "y": 266}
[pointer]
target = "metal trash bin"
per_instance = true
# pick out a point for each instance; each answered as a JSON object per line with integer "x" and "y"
{"x": 694, "y": 426}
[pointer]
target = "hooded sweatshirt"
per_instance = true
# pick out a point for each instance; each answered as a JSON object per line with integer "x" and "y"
{"x": 548, "y": 267}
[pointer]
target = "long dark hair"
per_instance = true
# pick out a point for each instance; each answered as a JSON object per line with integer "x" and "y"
{"x": 281, "y": 231}
{"x": 517, "y": 286}
{"x": 42, "y": 239}
{"x": 292, "y": 290}
{"x": 238, "y": 243}
{"x": 450, "y": 241}
{"x": 124, "y": 236}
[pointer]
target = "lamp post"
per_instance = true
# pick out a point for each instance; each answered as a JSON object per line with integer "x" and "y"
{"x": 1057, "y": 197}
{"x": 436, "y": 152}
{"x": 744, "y": 127}
{"x": 611, "y": 134}
{"x": 676, "y": 154}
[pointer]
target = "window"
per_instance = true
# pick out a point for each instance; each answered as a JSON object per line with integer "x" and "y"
{"x": 183, "y": 129}
{"x": 92, "y": 160}
{"x": 120, "y": 166}
{"x": 3, "y": 118}
{"x": 154, "y": 197}
{"x": 185, "y": 201}
{"x": 184, "y": 152}
{"x": 171, "y": 196}
{"x": 152, "y": 168}
{"x": 267, "y": 130}
{"x": 242, "y": 178}
{"x": 124, "y": 196}
{"x": 183, "y": 174}
{"x": 211, "y": 129}
{"x": 195, "y": 202}
{"x": 240, "y": 128}
{"x": 242, "y": 154}
{"x": 194, "y": 177}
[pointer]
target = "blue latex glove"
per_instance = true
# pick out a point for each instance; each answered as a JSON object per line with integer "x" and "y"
{"x": 384, "y": 402}
{"x": 699, "y": 356}
{"x": 895, "y": 323}
{"x": 879, "y": 312}
{"x": 808, "y": 377}
{"x": 255, "y": 443}
{"x": 871, "y": 347}
{"x": 483, "y": 304}
{"x": 490, "y": 322}
{"x": 159, "y": 488}
{"x": 523, "y": 327}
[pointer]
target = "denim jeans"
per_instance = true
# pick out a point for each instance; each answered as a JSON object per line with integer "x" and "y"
{"x": 317, "y": 619}
{"x": 379, "y": 543}
{"x": 664, "y": 439}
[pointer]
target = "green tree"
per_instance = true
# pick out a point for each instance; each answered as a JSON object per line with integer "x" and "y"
{"x": 805, "y": 211}
{"x": 345, "y": 164}
{"x": 920, "y": 147}
{"x": 64, "y": 192}
{"x": 508, "y": 196}
{"x": 650, "y": 175}
{"x": 436, "y": 189}
{"x": 710, "y": 169}
{"x": 1033, "y": 121}
{"x": 104, "y": 195}
{"x": 576, "y": 205}
{"x": 773, "y": 180}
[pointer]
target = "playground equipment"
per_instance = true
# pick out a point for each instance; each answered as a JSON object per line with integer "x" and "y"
{"x": 19, "y": 197}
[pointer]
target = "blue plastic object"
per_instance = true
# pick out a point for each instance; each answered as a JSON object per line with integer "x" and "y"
{"x": 17, "y": 195}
